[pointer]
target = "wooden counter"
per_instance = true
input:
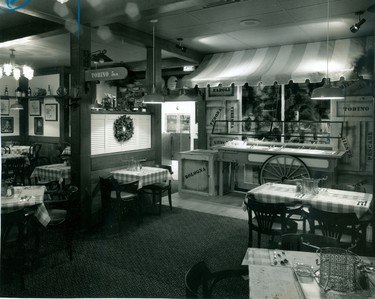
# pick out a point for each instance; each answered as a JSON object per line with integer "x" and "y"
{"x": 313, "y": 159}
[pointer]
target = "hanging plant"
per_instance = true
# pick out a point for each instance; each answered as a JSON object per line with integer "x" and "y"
{"x": 123, "y": 128}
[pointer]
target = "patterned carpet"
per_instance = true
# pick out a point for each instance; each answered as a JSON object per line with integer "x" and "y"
{"x": 146, "y": 261}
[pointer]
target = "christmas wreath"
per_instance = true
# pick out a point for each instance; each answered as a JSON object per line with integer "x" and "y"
{"x": 123, "y": 128}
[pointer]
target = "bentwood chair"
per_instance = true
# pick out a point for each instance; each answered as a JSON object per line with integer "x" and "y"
{"x": 158, "y": 189}
{"x": 34, "y": 150}
{"x": 200, "y": 282}
{"x": 306, "y": 242}
{"x": 62, "y": 208}
{"x": 127, "y": 198}
{"x": 269, "y": 219}
{"x": 344, "y": 227}
{"x": 5, "y": 149}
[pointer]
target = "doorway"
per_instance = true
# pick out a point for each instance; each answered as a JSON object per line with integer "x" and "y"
{"x": 179, "y": 130}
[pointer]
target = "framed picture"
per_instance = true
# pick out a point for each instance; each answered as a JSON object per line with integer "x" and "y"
{"x": 34, "y": 107}
{"x": 51, "y": 112}
{"x": 4, "y": 107}
{"x": 38, "y": 125}
{"x": 7, "y": 125}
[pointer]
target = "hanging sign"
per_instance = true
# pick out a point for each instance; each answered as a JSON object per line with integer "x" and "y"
{"x": 221, "y": 91}
{"x": 362, "y": 107}
{"x": 113, "y": 73}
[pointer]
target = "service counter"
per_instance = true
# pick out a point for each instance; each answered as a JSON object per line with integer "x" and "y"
{"x": 197, "y": 172}
{"x": 278, "y": 163}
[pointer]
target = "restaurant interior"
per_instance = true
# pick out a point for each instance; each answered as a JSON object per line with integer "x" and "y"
{"x": 187, "y": 149}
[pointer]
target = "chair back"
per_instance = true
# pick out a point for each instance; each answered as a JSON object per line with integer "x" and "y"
{"x": 290, "y": 242}
{"x": 5, "y": 149}
{"x": 265, "y": 215}
{"x": 306, "y": 242}
{"x": 331, "y": 224}
{"x": 34, "y": 150}
{"x": 130, "y": 187}
{"x": 197, "y": 278}
{"x": 200, "y": 282}
{"x": 14, "y": 170}
{"x": 168, "y": 167}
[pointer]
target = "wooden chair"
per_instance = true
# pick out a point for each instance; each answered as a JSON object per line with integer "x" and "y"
{"x": 34, "y": 150}
{"x": 14, "y": 170}
{"x": 5, "y": 149}
{"x": 269, "y": 219}
{"x": 158, "y": 189}
{"x": 306, "y": 242}
{"x": 200, "y": 282}
{"x": 62, "y": 209}
{"x": 344, "y": 227}
{"x": 127, "y": 197}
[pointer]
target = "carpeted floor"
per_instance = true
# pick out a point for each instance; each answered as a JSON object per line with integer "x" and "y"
{"x": 146, "y": 261}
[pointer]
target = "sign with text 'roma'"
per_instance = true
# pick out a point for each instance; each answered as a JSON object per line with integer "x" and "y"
{"x": 113, "y": 73}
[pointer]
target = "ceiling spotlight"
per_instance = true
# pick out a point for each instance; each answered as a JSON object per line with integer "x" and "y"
{"x": 62, "y": 1}
{"x": 354, "y": 28}
{"x": 180, "y": 46}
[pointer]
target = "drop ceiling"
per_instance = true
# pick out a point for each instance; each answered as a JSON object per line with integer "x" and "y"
{"x": 39, "y": 32}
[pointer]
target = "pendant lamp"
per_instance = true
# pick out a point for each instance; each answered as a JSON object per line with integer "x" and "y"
{"x": 16, "y": 106}
{"x": 327, "y": 91}
{"x": 153, "y": 97}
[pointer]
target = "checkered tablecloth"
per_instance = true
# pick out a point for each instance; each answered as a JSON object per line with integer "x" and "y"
{"x": 19, "y": 149}
{"x": 4, "y": 157}
{"x": 145, "y": 176}
{"x": 331, "y": 200}
{"x": 27, "y": 196}
{"x": 52, "y": 172}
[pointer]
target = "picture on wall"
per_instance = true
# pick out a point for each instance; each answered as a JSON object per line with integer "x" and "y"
{"x": 51, "y": 112}
{"x": 5, "y": 107}
{"x": 7, "y": 125}
{"x": 38, "y": 126}
{"x": 34, "y": 107}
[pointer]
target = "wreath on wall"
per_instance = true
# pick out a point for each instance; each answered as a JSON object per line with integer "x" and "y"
{"x": 123, "y": 128}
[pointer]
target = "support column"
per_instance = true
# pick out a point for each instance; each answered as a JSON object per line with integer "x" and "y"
{"x": 81, "y": 123}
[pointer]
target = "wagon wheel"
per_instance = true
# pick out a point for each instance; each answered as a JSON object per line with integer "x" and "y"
{"x": 279, "y": 168}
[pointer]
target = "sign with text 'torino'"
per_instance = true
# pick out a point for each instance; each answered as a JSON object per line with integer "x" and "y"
{"x": 113, "y": 73}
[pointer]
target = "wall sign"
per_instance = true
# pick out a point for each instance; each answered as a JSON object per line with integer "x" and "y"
{"x": 113, "y": 73}
{"x": 359, "y": 108}
{"x": 221, "y": 91}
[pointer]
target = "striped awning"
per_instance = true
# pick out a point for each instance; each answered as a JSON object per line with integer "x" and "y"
{"x": 281, "y": 64}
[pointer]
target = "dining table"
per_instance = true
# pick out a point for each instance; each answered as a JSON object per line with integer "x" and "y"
{"x": 5, "y": 157}
{"x": 331, "y": 200}
{"x": 299, "y": 277}
{"x": 145, "y": 175}
{"x": 19, "y": 149}
{"x": 60, "y": 172}
{"x": 26, "y": 197}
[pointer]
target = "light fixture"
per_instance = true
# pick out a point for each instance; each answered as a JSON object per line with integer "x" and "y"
{"x": 62, "y": 1}
{"x": 180, "y": 46}
{"x": 16, "y": 106}
{"x": 354, "y": 28}
{"x": 11, "y": 68}
{"x": 153, "y": 97}
{"x": 100, "y": 57}
{"x": 327, "y": 91}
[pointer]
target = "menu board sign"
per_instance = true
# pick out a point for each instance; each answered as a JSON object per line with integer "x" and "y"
{"x": 114, "y": 73}
{"x": 220, "y": 91}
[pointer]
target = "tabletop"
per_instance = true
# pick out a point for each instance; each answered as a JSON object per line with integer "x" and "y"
{"x": 19, "y": 149}
{"x": 270, "y": 280}
{"x": 145, "y": 176}
{"x": 51, "y": 172}
{"x": 27, "y": 196}
{"x": 5, "y": 157}
{"x": 331, "y": 200}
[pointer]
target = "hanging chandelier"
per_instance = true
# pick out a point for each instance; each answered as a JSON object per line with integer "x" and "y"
{"x": 11, "y": 68}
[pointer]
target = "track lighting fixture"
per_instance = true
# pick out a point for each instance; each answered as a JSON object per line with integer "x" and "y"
{"x": 100, "y": 57}
{"x": 180, "y": 46}
{"x": 354, "y": 28}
